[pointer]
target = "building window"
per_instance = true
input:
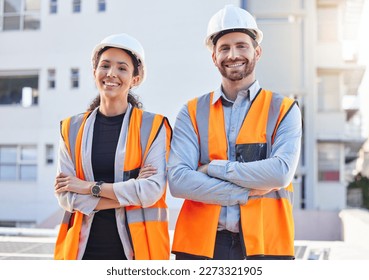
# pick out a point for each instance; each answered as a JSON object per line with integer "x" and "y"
{"x": 76, "y": 6}
{"x": 74, "y": 78}
{"x": 20, "y": 15}
{"x": 18, "y": 163}
{"x": 19, "y": 89}
{"x": 18, "y": 224}
{"x": 329, "y": 94}
{"x": 327, "y": 27}
{"x": 51, "y": 78}
{"x": 49, "y": 154}
{"x": 101, "y": 5}
{"x": 53, "y": 6}
{"x": 329, "y": 162}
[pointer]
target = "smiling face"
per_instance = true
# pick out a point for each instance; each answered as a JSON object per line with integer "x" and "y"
{"x": 235, "y": 55}
{"x": 114, "y": 75}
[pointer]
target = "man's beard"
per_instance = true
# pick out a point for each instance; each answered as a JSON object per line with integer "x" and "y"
{"x": 238, "y": 75}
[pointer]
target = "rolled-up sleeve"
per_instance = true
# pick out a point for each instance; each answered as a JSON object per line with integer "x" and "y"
{"x": 70, "y": 201}
{"x": 146, "y": 192}
{"x": 276, "y": 171}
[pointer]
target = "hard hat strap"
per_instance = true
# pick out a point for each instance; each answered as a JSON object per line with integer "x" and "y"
{"x": 224, "y": 32}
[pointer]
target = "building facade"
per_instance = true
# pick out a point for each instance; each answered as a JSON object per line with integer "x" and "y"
{"x": 45, "y": 75}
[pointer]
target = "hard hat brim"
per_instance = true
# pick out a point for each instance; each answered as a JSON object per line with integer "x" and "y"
{"x": 255, "y": 34}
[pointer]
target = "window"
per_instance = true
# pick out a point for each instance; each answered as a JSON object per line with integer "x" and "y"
{"x": 51, "y": 78}
{"x": 53, "y": 6}
{"x": 329, "y": 92}
{"x": 49, "y": 154}
{"x": 20, "y": 15}
{"x": 18, "y": 163}
{"x": 19, "y": 88}
{"x": 101, "y": 5}
{"x": 74, "y": 78}
{"x": 76, "y": 6}
{"x": 327, "y": 27}
{"x": 19, "y": 224}
{"x": 329, "y": 162}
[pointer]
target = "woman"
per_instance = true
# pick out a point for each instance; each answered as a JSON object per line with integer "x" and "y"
{"x": 111, "y": 178}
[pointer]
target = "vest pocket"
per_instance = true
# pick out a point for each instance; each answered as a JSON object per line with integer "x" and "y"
{"x": 251, "y": 152}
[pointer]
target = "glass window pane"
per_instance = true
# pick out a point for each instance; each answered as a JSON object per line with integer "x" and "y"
{"x": 12, "y": 6}
{"x": 31, "y": 22}
{"x": 328, "y": 89}
{"x": 11, "y": 88}
{"x": 49, "y": 154}
{"x": 53, "y": 9}
{"x": 8, "y": 154}
{"x": 328, "y": 162}
{"x": 74, "y": 78}
{"x": 53, "y": 6}
{"x": 28, "y": 172}
{"x": 101, "y": 5}
{"x": 8, "y": 172}
{"x": 76, "y": 6}
{"x": 32, "y": 5}
{"x": 11, "y": 23}
{"x": 51, "y": 78}
{"x": 28, "y": 153}
{"x": 327, "y": 24}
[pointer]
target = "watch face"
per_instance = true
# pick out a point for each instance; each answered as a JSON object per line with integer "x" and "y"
{"x": 96, "y": 190}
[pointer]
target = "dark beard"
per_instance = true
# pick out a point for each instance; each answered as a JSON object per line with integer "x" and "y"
{"x": 236, "y": 75}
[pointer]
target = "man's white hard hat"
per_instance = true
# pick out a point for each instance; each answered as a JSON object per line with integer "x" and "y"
{"x": 125, "y": 42}
{"x": 231, "y": 19}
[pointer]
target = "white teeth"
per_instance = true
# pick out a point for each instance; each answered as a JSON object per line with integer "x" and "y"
{"x": 235, "y": 65}
{"x": 111, "y": 84}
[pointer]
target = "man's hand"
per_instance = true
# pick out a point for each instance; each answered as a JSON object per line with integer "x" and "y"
{"x": 255, "y": 192}
{"x": 203, "y": 168}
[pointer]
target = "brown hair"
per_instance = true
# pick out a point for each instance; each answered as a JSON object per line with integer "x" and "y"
{"x": 132, "y": 99}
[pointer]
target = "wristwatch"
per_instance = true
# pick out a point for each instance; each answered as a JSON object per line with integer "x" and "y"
{"x": 96, "y": 189}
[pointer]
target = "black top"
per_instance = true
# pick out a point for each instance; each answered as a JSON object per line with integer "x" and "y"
{"x": 104, "y": 242}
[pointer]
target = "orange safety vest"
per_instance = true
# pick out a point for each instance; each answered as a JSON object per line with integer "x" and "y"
{"x": 266, "y": 225}
{"x": 147, "y": 227}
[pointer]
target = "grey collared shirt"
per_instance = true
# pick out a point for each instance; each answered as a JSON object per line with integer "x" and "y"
{"x": 228, "y": 181}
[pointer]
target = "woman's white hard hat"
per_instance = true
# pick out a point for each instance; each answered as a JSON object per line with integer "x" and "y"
{"x": 231, "y": 19}
{"x": 125, "y": 42}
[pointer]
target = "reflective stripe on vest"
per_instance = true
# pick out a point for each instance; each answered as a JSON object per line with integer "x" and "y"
{"x": 148, "y": 227}
{"x": 267, "y": 221}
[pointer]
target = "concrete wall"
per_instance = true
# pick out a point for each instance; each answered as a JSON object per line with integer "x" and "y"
{"x": 317, "y": 225}
{"x": 356, "y": 227}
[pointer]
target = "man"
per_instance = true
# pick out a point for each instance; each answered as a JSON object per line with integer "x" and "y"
{"x": 234, "y": 154}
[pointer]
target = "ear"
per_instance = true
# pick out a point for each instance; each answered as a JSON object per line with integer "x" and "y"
{"x": 258, "y": 52}
{"x": 136, "y": 80}
{"x": 213, "y": 56}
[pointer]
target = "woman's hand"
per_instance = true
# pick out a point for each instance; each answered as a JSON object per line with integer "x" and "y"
{"x": 147, "y": 171}
{"x": 64, "y": 183}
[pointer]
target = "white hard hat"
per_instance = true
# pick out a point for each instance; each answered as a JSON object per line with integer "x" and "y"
{"x": 231, "y": 19}
{"x": 125, "y": 42}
